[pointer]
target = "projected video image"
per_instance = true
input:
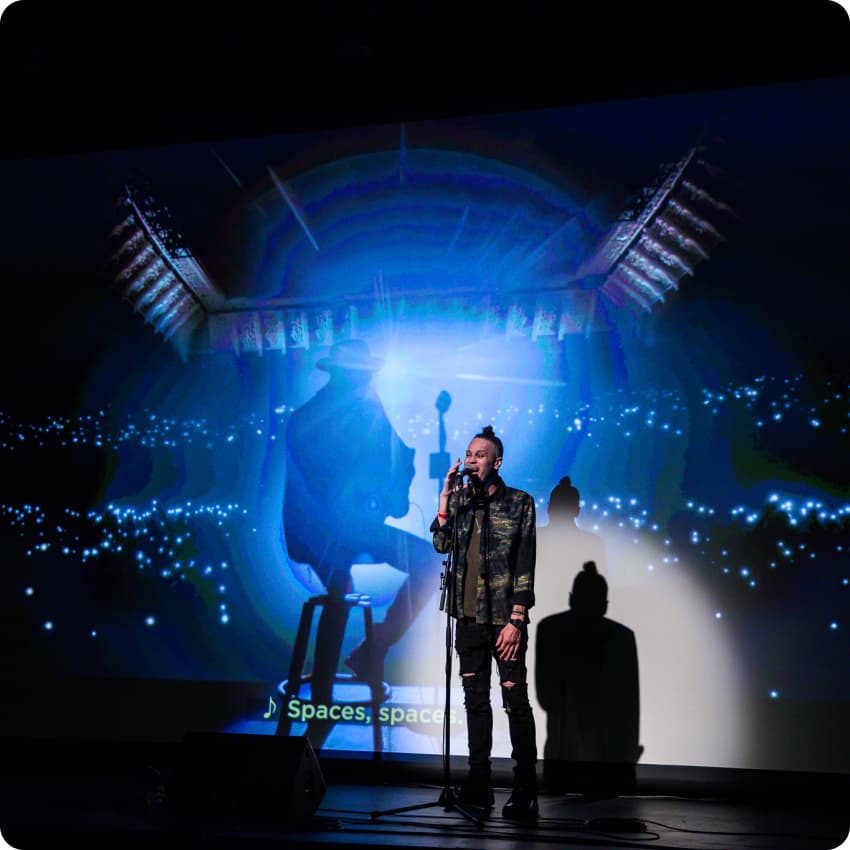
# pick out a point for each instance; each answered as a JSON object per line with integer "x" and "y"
{"x": 239, "y": 371}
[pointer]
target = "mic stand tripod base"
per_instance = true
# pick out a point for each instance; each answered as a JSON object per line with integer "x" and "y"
{"x": 448, "y": 801}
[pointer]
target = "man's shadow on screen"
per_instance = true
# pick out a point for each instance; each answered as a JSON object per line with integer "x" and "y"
{"x": 347, "y": 471}
{"x": 586, "y": 675}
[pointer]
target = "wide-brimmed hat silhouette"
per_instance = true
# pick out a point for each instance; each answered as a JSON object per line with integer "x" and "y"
{"x": 349, "y": 354}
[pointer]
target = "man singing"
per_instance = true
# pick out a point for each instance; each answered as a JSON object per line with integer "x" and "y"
{"x": 492, "y": 527}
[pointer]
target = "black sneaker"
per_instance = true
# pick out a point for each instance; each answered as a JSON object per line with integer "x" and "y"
{"x": 522, "y": 805}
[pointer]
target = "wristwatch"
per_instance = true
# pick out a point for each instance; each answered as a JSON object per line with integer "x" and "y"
{"x": 518, "y": 624}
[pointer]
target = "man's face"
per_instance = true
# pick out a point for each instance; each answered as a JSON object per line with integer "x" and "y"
{"x": 481, "y": 457}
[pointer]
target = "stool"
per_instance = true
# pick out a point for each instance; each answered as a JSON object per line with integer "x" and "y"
{"x": 299, "y": 686}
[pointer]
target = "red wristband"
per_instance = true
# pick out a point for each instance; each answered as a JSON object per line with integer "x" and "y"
{"x": 442, "y": 516}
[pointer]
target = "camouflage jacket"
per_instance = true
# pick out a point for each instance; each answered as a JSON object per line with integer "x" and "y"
{"x": 508, "y": 541}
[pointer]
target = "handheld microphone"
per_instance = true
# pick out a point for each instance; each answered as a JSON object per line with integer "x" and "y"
{"x": 474, "y": 479}
{"x": 466, "y": 472}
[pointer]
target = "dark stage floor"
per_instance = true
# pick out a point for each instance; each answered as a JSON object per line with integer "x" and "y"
{"x": 58, "y": 810}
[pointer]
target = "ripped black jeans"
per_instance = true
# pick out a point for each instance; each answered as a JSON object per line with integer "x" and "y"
{"x": 476, "y": 647}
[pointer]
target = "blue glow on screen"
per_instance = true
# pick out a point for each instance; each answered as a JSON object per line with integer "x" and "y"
{"x": 144, "y": 492}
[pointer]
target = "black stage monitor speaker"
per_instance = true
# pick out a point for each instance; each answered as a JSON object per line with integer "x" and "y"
{"x": 253, "y": 779}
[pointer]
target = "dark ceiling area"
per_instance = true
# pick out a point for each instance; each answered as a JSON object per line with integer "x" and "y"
{"x": 119, "y": 75}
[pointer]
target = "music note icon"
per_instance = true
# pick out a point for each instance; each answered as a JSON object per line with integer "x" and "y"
{"x": 271, "y": 711}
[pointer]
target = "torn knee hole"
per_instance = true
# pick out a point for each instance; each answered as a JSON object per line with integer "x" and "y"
{"x": 472, "y": 681}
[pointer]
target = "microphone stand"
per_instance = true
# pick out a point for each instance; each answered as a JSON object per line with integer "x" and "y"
{"x": 448, "y": 798}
